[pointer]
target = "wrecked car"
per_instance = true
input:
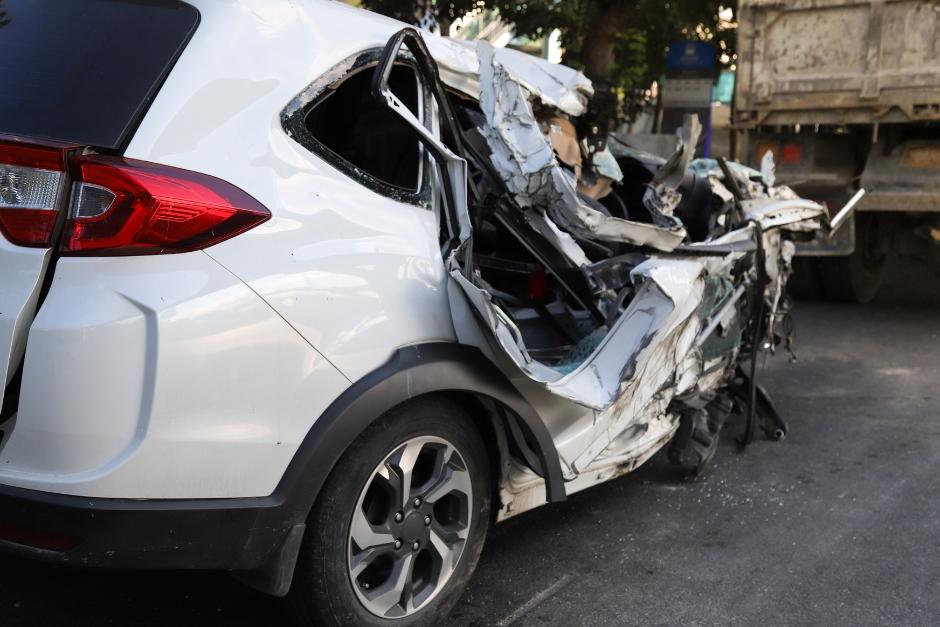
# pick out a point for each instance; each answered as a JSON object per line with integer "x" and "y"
{"x": 318, "y": 310}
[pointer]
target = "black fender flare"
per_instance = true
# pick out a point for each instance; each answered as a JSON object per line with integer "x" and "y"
{"x": 412, "y": 371}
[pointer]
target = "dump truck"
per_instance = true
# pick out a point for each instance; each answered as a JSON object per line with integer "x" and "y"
{"x": 845, "y": 94}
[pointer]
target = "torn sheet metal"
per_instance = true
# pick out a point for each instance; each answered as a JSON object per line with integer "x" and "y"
{"x": 666, "y": 332}
{"x": 563, "y": 242}
{"x": 525, "y": 160}
{"x": 796, "y": 214}
{"x": 772, "y": 206}
{"x": 646, "y": 392}
{"x": 749, "y": 180}
{"x": 556, "y": 86}
{"x": 663, "y": 196}
{"x": 524, "y": 490}
{"x": 677, "y": 165}
{"x": 668, "y": 292}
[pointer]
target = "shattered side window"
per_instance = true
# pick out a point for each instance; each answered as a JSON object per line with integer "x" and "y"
{"x": 338, "y": 119}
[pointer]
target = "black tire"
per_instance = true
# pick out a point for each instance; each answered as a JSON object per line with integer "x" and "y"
{"x": 322, "y": 589}
{"x": 696, "y": 441}
{"x": 856, "y": 278}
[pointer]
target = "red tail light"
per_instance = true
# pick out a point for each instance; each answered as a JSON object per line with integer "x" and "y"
{"x": 128, "y": 207}
{"x": 118, "y": 206}
{"x": 30, "y": 178}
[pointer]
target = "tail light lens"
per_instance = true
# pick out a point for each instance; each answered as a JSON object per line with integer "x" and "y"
{"x": 118, "y": 206}
{"x": 129, "y": 207}
{"x": 30, "y": 177}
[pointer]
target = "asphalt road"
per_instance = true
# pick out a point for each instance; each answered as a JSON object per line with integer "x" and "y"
{"x": 839, "y": 524}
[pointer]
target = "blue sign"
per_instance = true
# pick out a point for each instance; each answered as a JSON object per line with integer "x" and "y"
{"x": 690, "y": 55}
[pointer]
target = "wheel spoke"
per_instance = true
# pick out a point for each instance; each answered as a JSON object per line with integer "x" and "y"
{"x": 365, "y": 534}
{"x": 448, "y": 550}
{"x": 385, "y": 597}
{"x": 361, "y": 560}
{"x": 448, "y": 477}
{"x": 401, "y": 465}
{"x": 452, "y": 534}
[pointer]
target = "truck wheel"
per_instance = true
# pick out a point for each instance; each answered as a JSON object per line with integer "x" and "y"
{"x": 856, "y": 278}
{"x": 397, "y": 529}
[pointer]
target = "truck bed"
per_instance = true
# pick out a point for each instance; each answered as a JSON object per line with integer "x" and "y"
{"x": 837, "y": 62}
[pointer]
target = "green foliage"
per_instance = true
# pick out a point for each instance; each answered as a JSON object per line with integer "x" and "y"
{"x": 637, "y": 31}
{"x": 408, "y": 10}
{"x": 646, "y": 28}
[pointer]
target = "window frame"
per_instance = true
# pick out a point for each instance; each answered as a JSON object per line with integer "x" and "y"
{"x": 294, "y": 116}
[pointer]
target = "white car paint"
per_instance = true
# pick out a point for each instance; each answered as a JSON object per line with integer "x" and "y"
{"x": 356, "y": 273}
{"x": 161, "y": 377}
{"x": 23, "y": 269}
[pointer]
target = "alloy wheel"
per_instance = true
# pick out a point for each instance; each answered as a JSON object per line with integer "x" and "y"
{"x": 409, "y": 527}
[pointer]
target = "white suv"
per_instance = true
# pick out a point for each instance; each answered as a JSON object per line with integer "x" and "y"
{"x": 292, "y": 291}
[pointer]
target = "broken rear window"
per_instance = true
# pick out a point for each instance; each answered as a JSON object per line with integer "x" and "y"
{"x": 366, "y": 134}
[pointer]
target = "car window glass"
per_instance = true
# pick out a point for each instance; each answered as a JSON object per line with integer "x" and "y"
{"x": 85, "y": 72}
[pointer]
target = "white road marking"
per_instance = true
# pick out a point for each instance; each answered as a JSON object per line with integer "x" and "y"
{"x": 535, "y": 601}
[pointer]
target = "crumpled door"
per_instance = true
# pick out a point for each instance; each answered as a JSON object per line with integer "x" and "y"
{"x": 627, "y": 372}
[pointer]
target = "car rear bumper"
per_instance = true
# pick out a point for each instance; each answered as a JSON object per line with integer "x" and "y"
{"x": 223, "y": 534}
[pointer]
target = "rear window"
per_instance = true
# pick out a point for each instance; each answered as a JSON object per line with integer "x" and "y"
{"x": 353, "y": 125}
{"x": 85, "y": 71}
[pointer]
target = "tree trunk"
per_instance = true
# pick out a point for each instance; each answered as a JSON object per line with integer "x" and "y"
{"x": 597, "y": 47}
{"x": 597, "y": 57}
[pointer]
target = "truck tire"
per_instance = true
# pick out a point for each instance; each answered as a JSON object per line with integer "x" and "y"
{"x": 856, "y": 278}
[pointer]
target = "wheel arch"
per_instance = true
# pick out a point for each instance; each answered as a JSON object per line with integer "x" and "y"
{"x": 504, "y": 434}
{"x": 445, "y": 369}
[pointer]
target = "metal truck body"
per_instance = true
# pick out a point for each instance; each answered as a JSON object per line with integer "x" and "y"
{"x": 846, "y": 94}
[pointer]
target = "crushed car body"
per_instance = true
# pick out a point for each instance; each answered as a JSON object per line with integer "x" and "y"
{"x": 636, "y": 289}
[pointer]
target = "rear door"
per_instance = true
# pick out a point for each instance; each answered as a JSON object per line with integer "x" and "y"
{"x": 75, "y": 75}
